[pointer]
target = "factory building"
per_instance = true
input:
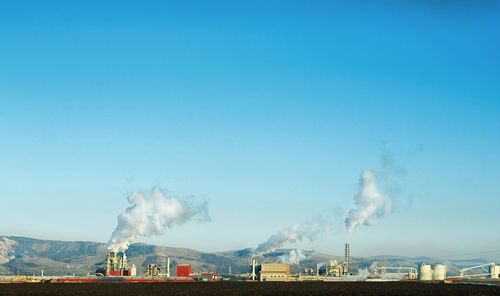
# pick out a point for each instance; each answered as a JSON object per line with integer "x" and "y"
{"x": 279, "y": 272}
{"x": 335, "y": 269}
{"x": 117, "y": 265}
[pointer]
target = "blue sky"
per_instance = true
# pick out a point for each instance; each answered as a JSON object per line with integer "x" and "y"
{"x": 270, "y": 110}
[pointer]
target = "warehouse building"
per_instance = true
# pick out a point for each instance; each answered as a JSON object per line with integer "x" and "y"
{"x": 277, "y": 272}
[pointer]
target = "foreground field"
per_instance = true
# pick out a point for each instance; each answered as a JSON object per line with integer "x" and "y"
{"x": 241, "y": 288}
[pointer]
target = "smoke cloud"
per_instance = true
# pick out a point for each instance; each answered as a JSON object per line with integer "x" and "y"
{"x": 378, "y": 191}
{"x": 362, "y": 275}
{"x": 150, "y": 215}
{"x": 6, "y": 250}
{"x": 296, "y": 233}
{"x": 293, "y": 257}
{"x": 370, "y": 204}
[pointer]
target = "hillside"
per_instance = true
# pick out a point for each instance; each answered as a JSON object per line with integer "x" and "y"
{"x": 29, "y": 256}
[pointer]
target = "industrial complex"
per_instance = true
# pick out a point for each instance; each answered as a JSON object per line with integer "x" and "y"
{"x": 117, "y": 269}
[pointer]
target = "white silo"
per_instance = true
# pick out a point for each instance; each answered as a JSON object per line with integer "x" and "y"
{"x": 425, "y": 272}
{"x": 494, "y": 271}
{"x": 439, "y": 272}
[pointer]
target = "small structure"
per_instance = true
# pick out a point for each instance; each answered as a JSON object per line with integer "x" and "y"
{"x": 279, "y": 272}
{"x": 152, "y": 270}
{"x": 309, "y": 271}
{"x": 396, "y": 272}
{"x": 208, "y": 277}
{"x": 488, "y": 270}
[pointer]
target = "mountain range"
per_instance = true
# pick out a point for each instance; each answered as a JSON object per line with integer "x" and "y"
{"x": 23, "y": 255}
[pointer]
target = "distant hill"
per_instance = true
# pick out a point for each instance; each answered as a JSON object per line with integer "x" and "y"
{"x": 29, "y": 256}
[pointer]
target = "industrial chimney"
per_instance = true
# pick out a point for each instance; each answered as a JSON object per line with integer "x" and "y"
{"x": 168, "y": 266}
{"x": 347, "y": 258}
{"x": 254, "y": 262}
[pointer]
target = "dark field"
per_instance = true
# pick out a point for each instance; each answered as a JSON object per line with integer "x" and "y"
{"x": 241, "y": 288}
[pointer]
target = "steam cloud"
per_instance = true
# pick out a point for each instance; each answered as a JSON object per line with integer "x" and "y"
{"x": 6, "y": 250}
{"x": 370, "y": 204}
{"x": 308, "y": 230}
{"x": 149, "y": 215}
{"x": 293, "y": 257}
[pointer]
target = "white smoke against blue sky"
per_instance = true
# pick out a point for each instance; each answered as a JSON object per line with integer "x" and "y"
{"x": 309, "y": 230}
{"x": 369, "y": 203}
{"x": 150, "y": 214}
{"x": 377, "y": 192}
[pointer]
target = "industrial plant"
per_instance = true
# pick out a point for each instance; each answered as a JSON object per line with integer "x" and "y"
{"x": 117, "y": 265}
{"x": 275, "y": 271}
{"x": 118, "y": 269}
{"x": 335, "y": 271}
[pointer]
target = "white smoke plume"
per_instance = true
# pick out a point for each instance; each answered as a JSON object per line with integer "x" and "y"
{"x": 373, "y": 266}
{"x": 362, "y": 275}
{"x": 293, "y": 257}
{"x": 150, "y": 215}
{"x": 296, "y": 233}
{"x": 370, "y": 204}
{"x": 6, "y": 250}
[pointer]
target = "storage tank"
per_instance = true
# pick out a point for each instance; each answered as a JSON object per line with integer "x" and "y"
{"x": 439, "y": 272}
{"x": 184, "y": 270}
{"x": 425, "y": 272}
{"x": 494, "y": 271}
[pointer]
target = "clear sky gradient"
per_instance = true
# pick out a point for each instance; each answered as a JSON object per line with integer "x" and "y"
{"x": 270, "y": 110}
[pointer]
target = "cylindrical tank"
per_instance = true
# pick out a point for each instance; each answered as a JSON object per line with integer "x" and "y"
{"x": 494, "y": 271}
{"x": 439, "y": 272}
{"x": 425, "y": 272}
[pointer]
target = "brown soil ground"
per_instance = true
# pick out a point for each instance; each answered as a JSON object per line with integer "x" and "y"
{"x": 242, "y": 288}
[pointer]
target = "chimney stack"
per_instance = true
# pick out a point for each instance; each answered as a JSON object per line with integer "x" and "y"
{"x": 347, "y": 258}
{"x": 253, "y": 269}
{"x": 168, "y": 266}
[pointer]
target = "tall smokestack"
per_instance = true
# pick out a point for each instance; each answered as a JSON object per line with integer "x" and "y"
{"x": 253, "y": 269}
{"x": 347, "y": 258}
{"x": 168, "y": 267}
